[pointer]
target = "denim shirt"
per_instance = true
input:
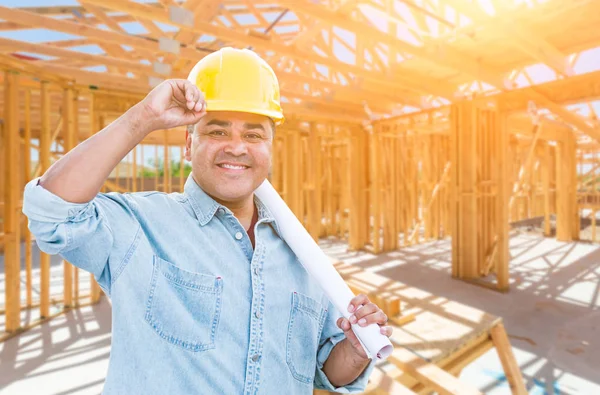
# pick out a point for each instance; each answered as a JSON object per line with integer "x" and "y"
{"x": 195, "y": 310}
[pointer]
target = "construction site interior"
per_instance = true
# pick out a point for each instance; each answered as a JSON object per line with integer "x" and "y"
{"x": 444, "y": 153}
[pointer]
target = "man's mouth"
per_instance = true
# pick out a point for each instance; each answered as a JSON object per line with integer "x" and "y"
{"x": 232, "y": 166}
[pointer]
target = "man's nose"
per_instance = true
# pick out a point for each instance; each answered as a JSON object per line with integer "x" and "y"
{"x": 236, "y": 146}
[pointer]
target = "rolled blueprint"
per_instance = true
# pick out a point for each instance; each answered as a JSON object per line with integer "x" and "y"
{"x": 319, "y": 266}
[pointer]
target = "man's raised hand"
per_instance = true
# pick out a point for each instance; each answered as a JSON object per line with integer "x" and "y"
{"x": 172, "y": 103}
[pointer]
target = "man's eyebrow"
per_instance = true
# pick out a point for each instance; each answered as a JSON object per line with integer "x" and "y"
{"x": 218, "y": 123}
{"x": 250, "y": 126}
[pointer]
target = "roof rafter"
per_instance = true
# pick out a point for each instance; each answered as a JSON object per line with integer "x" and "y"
{"x": 452, "y": 58}
{"x": 153, "y": 13}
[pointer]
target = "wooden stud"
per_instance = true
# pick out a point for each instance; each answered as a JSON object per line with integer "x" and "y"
{"x": 75, "y": 133}
{"x": 181, "y": 169}
{"x": 27, "y": 178}
{"x": 430, "y": 374}
{"x": 69, "y": 144}
{"x": 45, "y": 145}
{"x": 166, "y": 163}
{"x": 314, "y": 164}
{"x": 503, "y": 254}
{"x": 95, "y": 290}
{"x": 12, "y": 240}
{"x": 156, "y": 185}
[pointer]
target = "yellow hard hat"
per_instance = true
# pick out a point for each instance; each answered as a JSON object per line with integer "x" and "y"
{"x": 238, "y": 80}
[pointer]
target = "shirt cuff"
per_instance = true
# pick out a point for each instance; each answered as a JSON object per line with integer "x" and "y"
{"x": 322, "y": 382}
{"x": 39, "y": 204}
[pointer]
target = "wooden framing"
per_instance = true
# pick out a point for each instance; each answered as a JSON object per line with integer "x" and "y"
{"x": 479, "y": 199}
{"x": 421, "y": 367}
{"x": 427, "y": 128}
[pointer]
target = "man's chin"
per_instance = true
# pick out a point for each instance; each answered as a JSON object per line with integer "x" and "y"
{"x": 233, "y": 193}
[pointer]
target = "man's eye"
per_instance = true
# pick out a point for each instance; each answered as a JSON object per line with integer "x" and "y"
{"x": 217, "y": 133}
{"x": 254, "y": 136}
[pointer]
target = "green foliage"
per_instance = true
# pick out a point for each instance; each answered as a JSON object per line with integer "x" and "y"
{"x": 174, "y": 168}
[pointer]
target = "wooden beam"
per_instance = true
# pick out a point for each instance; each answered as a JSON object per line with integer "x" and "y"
{"x": 11, "y": 217}
{"x": 568, "y": 116}
{"x": 145, "y": 46}
{"x": 69, "y": 144}
{"x": 452, "y": 58}
{"x": 71, "y": 55}
{"x": 430, "y": 374}
{"x": 158, "y": 15}
{"x": 26, "y": 178}
{"x": 507, "y": 358}
{"x": 44, "y": 154}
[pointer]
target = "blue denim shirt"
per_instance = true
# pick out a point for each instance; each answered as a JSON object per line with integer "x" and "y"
{"x": 194, "y": 308}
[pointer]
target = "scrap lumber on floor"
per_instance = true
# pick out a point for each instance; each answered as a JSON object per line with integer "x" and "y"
{"x": 440, "y": 338}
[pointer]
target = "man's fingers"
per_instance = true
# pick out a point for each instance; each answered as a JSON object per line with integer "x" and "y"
{"x": 357, "y": 301}
{"x": 193, "y": 98}
{"x": 343, "y": 324}
{"x": 363, "y": 314}
{"x": 386, "y": 330}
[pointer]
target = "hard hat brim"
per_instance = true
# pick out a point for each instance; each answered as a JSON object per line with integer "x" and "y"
{"x": 226, "y": 105}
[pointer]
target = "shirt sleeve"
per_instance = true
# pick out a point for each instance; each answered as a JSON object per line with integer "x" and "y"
{"x": 330, "y": 336}
{"x": 95, "y": 236}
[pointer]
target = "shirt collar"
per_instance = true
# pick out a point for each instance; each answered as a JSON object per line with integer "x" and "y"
{"x": 205, "y": 206}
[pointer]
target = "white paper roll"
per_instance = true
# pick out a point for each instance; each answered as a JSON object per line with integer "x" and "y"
{"x": 319, "y": 266}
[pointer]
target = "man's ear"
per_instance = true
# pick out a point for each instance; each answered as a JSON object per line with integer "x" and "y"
{"x": 189, "y": 132}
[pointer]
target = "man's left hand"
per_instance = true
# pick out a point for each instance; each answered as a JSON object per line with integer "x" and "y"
{"x": 365, "y": 313}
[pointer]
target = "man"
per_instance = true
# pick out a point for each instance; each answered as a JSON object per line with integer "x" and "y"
{"x": 207, "y": 298}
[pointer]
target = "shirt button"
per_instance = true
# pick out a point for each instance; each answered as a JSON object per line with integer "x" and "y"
{"x": 238, "y": 235}
{"x": 257, "y": 314}
{"x": 255, "y": 358}
{"x": 256, "y": 270}
{"x": 221, "y": 210}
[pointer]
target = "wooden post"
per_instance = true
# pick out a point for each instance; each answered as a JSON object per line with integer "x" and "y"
{"x": 45, "y": 142}
{"x": 27, "y": 171}
{"x": 134, "y": 170}
{"x": 74, "y": 142}
{"x": 546, "y": 185}
{"x": 375, "y": 190}
{"x": 142, "y": 187}
{"x": 465, "y": 234}
{"x": 501, "y": 225}
{"x": 128, "y": 171}
{"x": 292, "y": 181}
{"x": 181, "y": 169}
{"x": 167, "y": 165}
{"x": 479, "y": 194}
{"x": 156, "y": 167}
{"x": 69, "y": 144}
{"x": 359, "y": 211}
{"x": 12, "y": 245}
{"x": 95, "y": 290}
{"x": 567, "y": 216}
{"x": 314, "y": 174}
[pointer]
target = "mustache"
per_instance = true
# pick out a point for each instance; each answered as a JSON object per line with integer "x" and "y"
{"x": 245, "y": 159}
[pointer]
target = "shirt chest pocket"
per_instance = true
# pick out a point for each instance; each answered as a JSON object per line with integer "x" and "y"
{"x": 307, "y": 317}
{"x": 184, "y": 307}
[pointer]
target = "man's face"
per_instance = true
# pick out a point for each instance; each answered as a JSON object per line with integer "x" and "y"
{"x": 230, "y": 154}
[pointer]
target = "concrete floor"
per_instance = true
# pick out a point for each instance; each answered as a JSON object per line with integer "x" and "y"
{"x": 551, "y": 312}
{"x": 551, "y": 315}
